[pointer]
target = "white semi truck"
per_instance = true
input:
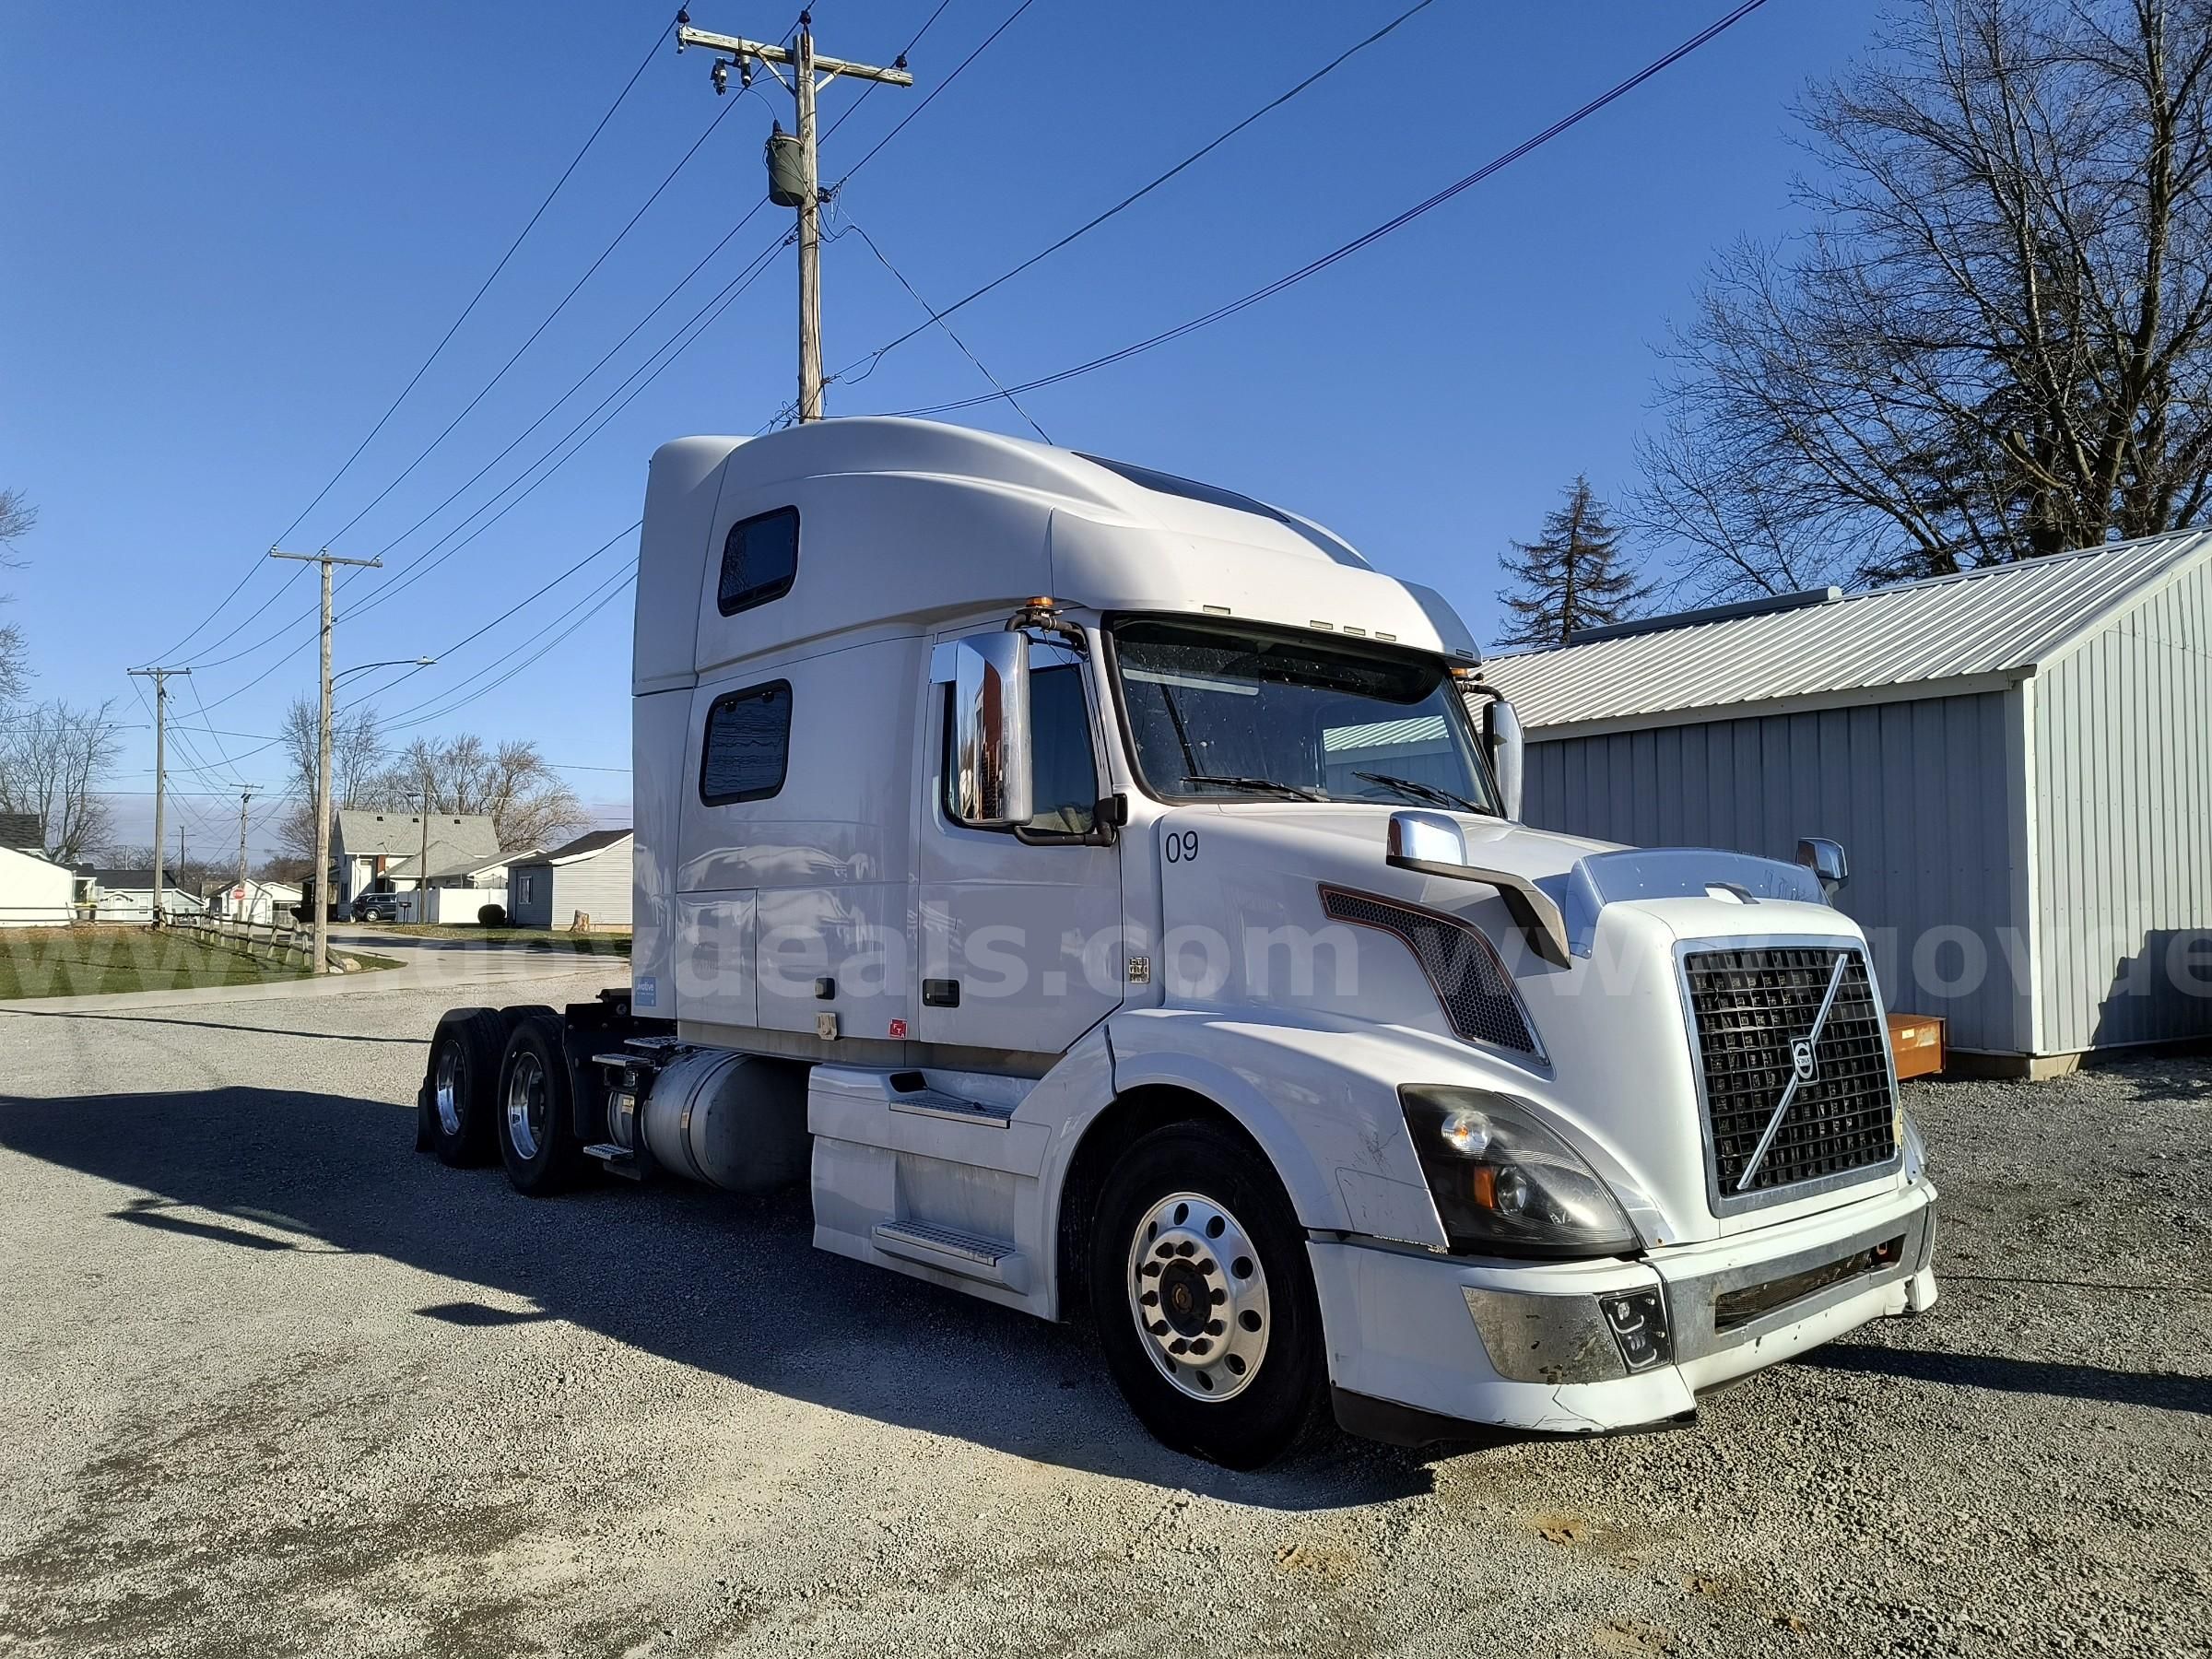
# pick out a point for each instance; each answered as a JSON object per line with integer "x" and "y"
{"x": 1107, "y": 893}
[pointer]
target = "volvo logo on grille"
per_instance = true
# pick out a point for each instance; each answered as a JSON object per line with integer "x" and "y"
{"x": 1801, "y": 1059}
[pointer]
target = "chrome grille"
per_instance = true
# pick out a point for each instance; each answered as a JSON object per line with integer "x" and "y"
{"x": 1748, "y": 1008}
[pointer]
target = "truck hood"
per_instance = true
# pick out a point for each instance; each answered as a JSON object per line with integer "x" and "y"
{"x": 1257, "y": 925}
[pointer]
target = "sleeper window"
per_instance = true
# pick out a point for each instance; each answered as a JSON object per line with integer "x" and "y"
{"x": 1063, "y": 768}
{"x": 759, "y": 560}
{"x": 747, "y": 745}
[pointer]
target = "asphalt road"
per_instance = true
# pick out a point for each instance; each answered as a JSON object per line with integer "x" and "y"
{"x": 275, "y": 1384}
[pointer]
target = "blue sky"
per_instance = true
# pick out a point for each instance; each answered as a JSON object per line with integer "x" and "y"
{"x": 230, "y": 244}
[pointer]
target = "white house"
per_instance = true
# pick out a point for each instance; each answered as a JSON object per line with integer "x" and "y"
{"x": 128, "y": 895}
{"x": 590, "y": 876}
{"x": 375, "y": 852}
{"x": 34, "y": 890}
{"x": 257, "y": 901}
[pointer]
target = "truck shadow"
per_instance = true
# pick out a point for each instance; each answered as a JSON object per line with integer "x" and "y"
{"x": 728, "y": 1285}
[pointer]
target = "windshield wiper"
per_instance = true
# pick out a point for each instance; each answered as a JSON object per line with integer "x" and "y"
{"x": 1420, "y": 791}
{"x": 1257, "y": 785}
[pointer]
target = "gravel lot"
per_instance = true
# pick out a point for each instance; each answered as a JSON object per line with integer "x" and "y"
{"x": 278, "y": 1385}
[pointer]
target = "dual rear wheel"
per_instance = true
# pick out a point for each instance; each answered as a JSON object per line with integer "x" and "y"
{"x": 498, "y": 1084}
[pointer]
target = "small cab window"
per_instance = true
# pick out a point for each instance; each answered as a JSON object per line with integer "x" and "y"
{"x": 1064, "y": 769}
{"x": 747, "y": 745}
{"x": 759, "y": 560}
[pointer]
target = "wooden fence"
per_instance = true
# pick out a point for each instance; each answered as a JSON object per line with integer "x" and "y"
{"x": 277, "y": 942}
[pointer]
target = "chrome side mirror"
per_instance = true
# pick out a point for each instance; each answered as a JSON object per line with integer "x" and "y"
{"x": 1501, "y": 736}
{"x": 990, "y": 678}
{"x": 1825, "y": 859}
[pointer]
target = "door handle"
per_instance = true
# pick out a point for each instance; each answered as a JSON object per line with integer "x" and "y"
{"x": 940, "y": 993}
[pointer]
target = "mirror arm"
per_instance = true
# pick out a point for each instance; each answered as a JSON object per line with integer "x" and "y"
{"x": 1043, "y": 615}
{"x": 1531, "y": 908}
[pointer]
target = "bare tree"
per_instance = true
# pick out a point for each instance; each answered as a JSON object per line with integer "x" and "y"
{"x": 1996, "y": 344}
{"x": 16, "y": 517}
{"x": 53, "y": 760}
{"x": 530, "y": 804}
{"x": 357, "y": 753}
{"x": 1575, "y": 575}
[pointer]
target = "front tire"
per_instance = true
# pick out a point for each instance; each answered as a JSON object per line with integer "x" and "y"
{"x": 536, "y": 1116}
{"x": 1204, "y": 1300}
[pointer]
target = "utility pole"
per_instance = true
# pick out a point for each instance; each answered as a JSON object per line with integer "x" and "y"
{"x": 805, "y": 193}
{"x": 161, "y": 678}
{"x": 321, "y": 873}
{"x": 422, "y": 867}
{"x": 244, "y": 795}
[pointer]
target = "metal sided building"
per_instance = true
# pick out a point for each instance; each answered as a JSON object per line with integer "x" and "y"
{"x": 2017, "y": 761}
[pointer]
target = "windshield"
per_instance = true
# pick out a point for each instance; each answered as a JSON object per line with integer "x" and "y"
{"x": 1219, "y": 711}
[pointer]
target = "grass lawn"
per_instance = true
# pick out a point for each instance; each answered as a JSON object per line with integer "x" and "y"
{"x": 74, "y": 961}
{"x": 535, "y": 938}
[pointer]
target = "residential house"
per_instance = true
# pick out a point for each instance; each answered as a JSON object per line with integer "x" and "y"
{"x": 23, "y": 832}
{"x": 34, "y": 890}
{"x": 588, "y": 876}
{"x": 258, "y": 902}
{"x": 128, "y": 895}
{"x": 375, "y": 852}
{"x": 458, "y": 889}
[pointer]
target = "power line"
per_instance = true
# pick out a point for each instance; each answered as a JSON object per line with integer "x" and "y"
{"x": 444, "y": 340}
{"x": 855, "y": 225}
{"x": 693, "y": 327}
{"x": 526, "y": 600}
{"x": 720, "y": 116}
{"x": 1136, "y": 196}
{"x": 590, "y": 606}
{"x": 868, "y": 86}
{"x": 1354, "y": 246}
{"x": 932, "y": 97}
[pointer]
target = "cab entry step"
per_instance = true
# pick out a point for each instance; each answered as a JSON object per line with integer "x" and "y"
{"x": 971, "y": 1256}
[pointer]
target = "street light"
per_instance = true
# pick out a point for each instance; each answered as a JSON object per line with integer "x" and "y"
{"x": 394, "y": 663}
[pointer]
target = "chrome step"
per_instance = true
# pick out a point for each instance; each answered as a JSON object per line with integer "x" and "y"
{"x": 973, "y": 1255}
{"x": 617, "y": 1160}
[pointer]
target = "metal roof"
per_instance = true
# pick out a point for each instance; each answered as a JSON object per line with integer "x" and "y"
{"x": 1918, "y": 639}
{"x": 583, "y": 846}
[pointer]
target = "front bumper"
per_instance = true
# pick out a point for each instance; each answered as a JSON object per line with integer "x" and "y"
{"x": 1425, "y": 1342}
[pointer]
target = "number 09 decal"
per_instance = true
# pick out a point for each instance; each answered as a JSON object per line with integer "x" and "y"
{"x": 1183, "y": 846}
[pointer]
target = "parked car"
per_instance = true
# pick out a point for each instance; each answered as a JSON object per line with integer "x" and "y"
{"x": 376, "y": 907}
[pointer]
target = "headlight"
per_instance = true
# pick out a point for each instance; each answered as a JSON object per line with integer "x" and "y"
{"x": 1506, "y": 1185}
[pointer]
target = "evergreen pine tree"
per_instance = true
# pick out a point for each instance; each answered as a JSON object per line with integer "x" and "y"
{"x": 1577, "y": 576}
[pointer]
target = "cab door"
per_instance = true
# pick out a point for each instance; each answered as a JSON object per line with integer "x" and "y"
{"x": 1021, "y": 946}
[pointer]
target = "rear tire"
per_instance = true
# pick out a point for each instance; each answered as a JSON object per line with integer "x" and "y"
{"x": 454, "y": 1117}
{"x": 1203, "y": 1297}
{"x": 537, "y": 1109}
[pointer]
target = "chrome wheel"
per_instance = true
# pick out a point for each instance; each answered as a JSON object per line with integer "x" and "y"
{"x": 446, "y": 1088}
{"x": 526, "y": 1104}
{"x": 1199, "y": 1297}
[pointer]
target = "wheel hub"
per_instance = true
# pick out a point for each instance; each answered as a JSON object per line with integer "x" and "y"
{"x": 446, "y": 1089}
{"x": 525, "y": 1104}
{"x": 1199, "y": 1297}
